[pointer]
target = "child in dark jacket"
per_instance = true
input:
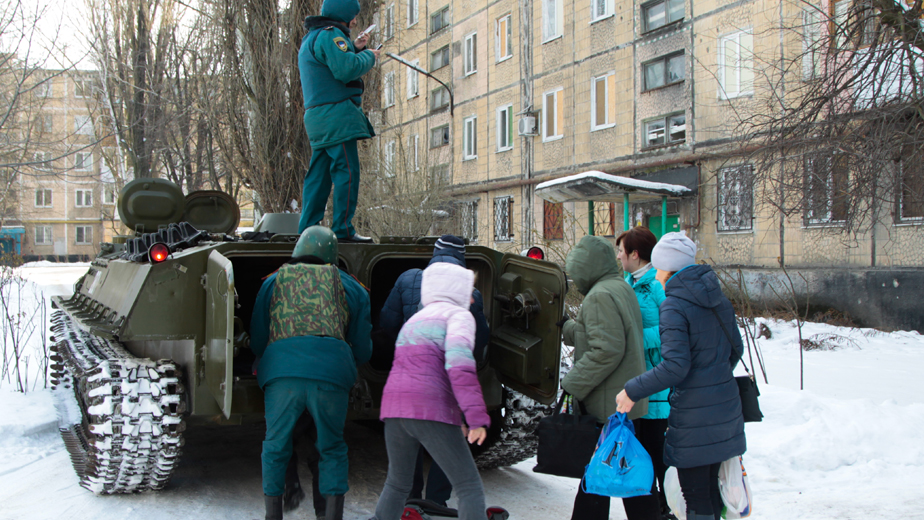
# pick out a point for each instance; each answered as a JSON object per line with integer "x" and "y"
{"x": 432, "y": 383}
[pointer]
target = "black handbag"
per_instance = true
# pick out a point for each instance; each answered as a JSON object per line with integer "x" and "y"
{"x": 566, "y": 442}
{"x": 747, "y": 385}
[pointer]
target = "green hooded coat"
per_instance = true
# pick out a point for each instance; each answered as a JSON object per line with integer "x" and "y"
{"x": 609, "y": 346}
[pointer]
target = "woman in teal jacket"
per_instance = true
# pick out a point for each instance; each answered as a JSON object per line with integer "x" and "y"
{"x": 634, "y": 252}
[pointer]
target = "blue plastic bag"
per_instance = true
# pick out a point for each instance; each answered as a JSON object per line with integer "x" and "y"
{"x": 620, "y": 466}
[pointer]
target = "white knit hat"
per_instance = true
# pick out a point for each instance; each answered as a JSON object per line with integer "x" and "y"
{"x": 673, "y": 252}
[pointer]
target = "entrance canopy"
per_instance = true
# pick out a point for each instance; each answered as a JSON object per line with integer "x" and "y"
{"x": 602, "y": 187}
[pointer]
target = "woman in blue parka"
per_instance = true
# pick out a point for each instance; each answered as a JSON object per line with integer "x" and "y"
{"x": 705, "y": 426}
{"x": 633, "y": 249}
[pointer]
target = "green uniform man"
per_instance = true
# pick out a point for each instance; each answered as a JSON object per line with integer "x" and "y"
{"x": 331, "y": 67}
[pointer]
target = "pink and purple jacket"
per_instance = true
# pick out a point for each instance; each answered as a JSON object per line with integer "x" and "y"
{"x": 433, "y": 377}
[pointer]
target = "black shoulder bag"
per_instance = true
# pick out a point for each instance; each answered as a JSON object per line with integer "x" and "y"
{"x": 747, "y": 385}
{"x": 566, "y": 441}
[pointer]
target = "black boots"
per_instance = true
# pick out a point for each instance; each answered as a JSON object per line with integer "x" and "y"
{"x": 334, "y": 507}
{"x": 273, "y": 507}
{"x": 692, "y": 515}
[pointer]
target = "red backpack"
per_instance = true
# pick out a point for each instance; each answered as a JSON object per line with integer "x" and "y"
{"x": 414, "y": 513}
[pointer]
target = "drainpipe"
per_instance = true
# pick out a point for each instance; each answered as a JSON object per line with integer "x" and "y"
{"x": 526, "y": 104}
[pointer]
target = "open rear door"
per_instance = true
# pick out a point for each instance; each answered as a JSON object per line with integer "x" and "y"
{"x": 525, "y": 350}
{"x": 219, "y": 330}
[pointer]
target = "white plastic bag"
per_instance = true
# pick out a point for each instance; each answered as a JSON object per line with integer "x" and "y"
{"x": 674, "y": 495}
{"x": 735, "y": 490}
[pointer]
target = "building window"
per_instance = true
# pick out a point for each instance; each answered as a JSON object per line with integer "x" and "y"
{"x": 811, "y": 43}
{"x": 664, "y": 71}
{"x": 600, "y": 9}
{"x": 602, "y": 108}
{"x": 552, "y": 115}
{"x": 604, "y": 219}
{"x": 109, "y": 195}
{"x": 503, "y": 43}
{"x": 439, "y": 59}
{"x": 44, "y": 123}
{"x": 439, "y": 176}
{"x": 665, "y": 130}
{"x": 83, "y": 88}
{"x": 470, "y": 138}
{"x": 439, "y": 98}
{"x": 735, "y": 198}
{"x": 825, "y": 189}
{"x": 388, "y": 158}
{"x": 413, "y": 10}
{"x": 736, "y": 67}
{"x": 552, "y": 217}
{"x": 413, "y": 156}
{"x": 660, "y": 13}
{"x": 43, "y": 88}
{"x": 505, "y": 128}
{"x": 413, "y": 81}
{"x": 42, "y": 160}
{"x": 83, "y": 234}
{"x": 84, "y": 198}
{"x": 469, "y": 219}
{"x": 439, "y": 20}
{"x": 83, "y": 161}
{"x": 439, "y": 136}
{"x": 42, "y": 198}
{"x": 388, "y": 90}
{"x": 552, "y": 21}
{"x": 83, "y": 125}
{"x": 503, "y": 218}
{"x": 910, "y": 197}
{"x": 43, "y": 235}
{"x": 389, "y": 29}
{"x": 471, "y": 54}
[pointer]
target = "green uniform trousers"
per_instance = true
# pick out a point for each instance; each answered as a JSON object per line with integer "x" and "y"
{"x": 337, "y": 165}
{"x": 286, "y": 399}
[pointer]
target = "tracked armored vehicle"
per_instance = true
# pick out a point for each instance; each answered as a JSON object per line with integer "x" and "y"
{"x": 155, "y": 337}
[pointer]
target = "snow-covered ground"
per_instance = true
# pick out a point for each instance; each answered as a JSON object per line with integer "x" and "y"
{"x": 848, "y": 446}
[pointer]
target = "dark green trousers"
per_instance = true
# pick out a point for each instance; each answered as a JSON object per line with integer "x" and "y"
{"x": 338, "y": 166}
{"x": 286, "y": 399}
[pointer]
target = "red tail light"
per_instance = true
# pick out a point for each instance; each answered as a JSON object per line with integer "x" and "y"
{"x": 536, "y": 253}
{"x": 158, "y": 252}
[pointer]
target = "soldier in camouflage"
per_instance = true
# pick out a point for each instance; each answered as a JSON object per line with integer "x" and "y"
{"x": 311, "y": 330}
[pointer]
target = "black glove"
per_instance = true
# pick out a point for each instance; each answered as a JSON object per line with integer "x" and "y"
{"x": 562, "y": 321}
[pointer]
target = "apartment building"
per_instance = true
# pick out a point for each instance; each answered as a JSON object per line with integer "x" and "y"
{"x": 652, "y": 90}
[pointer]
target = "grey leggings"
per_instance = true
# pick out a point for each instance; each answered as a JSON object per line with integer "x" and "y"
{"x": 449, "y": 449}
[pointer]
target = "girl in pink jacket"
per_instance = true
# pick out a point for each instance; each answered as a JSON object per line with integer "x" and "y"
{"x": 432, "y": 384}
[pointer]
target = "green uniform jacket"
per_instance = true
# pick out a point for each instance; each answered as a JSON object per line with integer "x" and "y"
{"x": 334, "y": 123}
{"x": 607, "y": 332}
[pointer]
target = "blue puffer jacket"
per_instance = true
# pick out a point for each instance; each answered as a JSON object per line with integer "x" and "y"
{"x": 404, "y": 301}
{"x": 705, "y": 425}
{"x": 650, "y": 294}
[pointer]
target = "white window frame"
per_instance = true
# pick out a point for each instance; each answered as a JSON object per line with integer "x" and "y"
{"x": 505, "y": 121}
{"x": 83, "y": 125}
{"x": 47, "y": 198}
{"x": 413, "y": 12}
{"x": 43, "y": 88}
{"x": 413, "y": 145}
{"x": 45, "y": 122}
{"x": 552, "y": 28}
{"x": 595, "y": 14}
{"x": 82, "y": 88}
{"x": 555, "y": 94}
{"x": 826, "y": 216}
{"x": 388, "y": 157}
{"x": 503, "y": 33}
{"x": 744, "y": 62}
{"x": 388, "y": 32}
{"x": 83, "y": 198}
{"x": 470, "y": 138}
{"x": 812, "y": 52}
{"x": 83, "y": 161}
{"x": 87, "y": 235}
{"x": 594, "y": 124}
{"x": 388, "y": 90}
{"x": 47, "y": 235}
{"x": 109, "y": 194}
{"x": 42, "y": 160}
{"x": 470, "y": 53}
{"x": 413, "y": 81}
{"x": 737, "y": 181}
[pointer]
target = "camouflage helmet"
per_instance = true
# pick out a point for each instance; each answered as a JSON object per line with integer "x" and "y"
{"x": 317, "y": 241}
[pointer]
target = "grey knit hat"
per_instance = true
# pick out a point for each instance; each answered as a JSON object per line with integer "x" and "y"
{"x": 450, "y": 245}
{"x": 673, "y": 252}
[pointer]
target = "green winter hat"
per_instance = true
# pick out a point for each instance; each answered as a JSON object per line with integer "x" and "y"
{"x": 343, "y": 10}
{"x": 317, "y": 241}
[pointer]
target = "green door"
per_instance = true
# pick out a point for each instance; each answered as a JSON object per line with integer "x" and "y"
{"x": 673, "y": 224}
{"x": 219, "y": 330}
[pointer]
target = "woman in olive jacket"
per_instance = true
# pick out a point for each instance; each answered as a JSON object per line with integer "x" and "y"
{"x": 608, "y": 351}
{"x": 705, "y": 426}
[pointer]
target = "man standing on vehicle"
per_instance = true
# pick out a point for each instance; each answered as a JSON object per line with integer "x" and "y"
{"x": 331, "y": 66}
{"x": 310, "y": 330}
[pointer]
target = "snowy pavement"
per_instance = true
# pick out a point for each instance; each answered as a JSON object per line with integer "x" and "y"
{"x": 849, "y": 446}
